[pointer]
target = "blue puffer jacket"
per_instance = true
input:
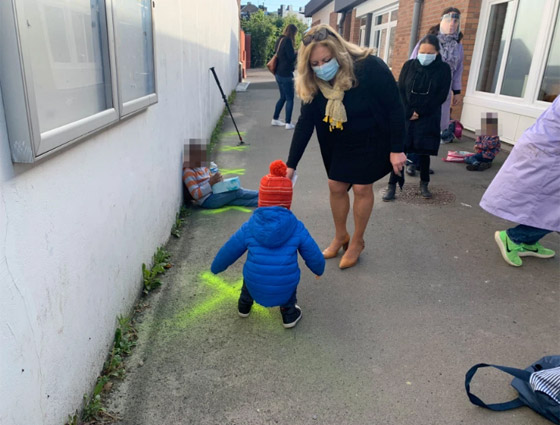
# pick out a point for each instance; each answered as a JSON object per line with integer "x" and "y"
{"x": 273, "y": 236}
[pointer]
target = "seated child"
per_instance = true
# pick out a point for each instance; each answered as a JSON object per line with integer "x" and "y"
{"x": 199, "y": 182}
{"x": 273, "y": 236}
{"x": 487, "y": 144}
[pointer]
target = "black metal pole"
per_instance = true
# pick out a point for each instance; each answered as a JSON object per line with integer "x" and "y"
{"x": 241, "y": 142}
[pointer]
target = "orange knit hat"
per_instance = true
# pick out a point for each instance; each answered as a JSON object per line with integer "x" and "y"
{"x": 276, "y": 189}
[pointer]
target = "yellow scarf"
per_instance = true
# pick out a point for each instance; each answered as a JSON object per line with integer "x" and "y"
{"x": 335, "y": 113}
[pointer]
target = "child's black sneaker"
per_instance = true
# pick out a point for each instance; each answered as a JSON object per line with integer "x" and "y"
{"x": 243, "y": 309}
{"x": 479, "y": 166}
{"x": 290, "y": 316}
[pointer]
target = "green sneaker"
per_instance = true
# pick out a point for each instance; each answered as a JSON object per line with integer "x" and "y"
{"x": 536, "y": 250}
{"x": 510, "y": 251}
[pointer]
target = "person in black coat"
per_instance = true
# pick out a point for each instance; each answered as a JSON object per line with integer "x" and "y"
{"x": 351, "y": 99}
{"x": 423, "y": 85}
{"x": 285, "y": 76}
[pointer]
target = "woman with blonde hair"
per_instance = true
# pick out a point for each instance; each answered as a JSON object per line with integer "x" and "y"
{"x": 351, "y": 99}
{"x": 285, "y": 76}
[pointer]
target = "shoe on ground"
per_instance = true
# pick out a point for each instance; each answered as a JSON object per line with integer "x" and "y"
{"x": 510, "y": 250}
{"x": 479, "y": 166}
{"x": 484, "y": 166}
{"x": 475, "y": 166}
{"x": 243, "y": 309}
{"x": 277, "y": 123}
{"x": 424, "y": 191}
{"x": 290, "y": 316}
{"x": 411, "y": 170}
{"x": 536, "y": 250}
{"x": 290, "y": 126}
{"x": 389, "y": 194}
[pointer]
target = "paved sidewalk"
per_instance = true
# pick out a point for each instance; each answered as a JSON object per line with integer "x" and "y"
{"x": 386, "y": 342}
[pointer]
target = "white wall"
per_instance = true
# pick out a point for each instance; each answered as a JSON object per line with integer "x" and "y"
{"x": 512, "y": 123}
{"x": 371, "y": 6}
{"x": 76, "y": 227}
{"x": 323, "y": 15}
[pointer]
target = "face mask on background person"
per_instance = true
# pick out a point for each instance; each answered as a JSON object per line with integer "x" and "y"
{"x": 426, "y": 58}
{"x": 326, "y": 71}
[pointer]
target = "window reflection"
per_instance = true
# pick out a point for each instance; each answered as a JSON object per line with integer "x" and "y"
{"x": 550, "y": 87}
{"x": 521, "y": 49}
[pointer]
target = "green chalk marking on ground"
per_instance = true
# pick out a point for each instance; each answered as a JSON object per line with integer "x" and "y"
{"x": 224, "y": 209}
{"x": 233, "y": 148}
{"x": 224, "y": 291}
{"x": 236, "y": 171}
{"x": 233, "y": 133}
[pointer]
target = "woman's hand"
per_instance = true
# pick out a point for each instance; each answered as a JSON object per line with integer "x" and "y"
{"x": 456, "y": 99}
{"x": 290, "y": 173}
{"x": 398, "y": 159}
{"x": 215, "y": 178}
{"x": 414, "y": 116}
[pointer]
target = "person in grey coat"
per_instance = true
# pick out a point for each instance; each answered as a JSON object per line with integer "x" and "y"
{"x": 526, "y": 190}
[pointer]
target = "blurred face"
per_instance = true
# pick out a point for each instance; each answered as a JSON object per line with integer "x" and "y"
{"x": 450, "y": 23}
{"x": 489, "y": 124}
{"x": 320, "y": 55}
{"x": 196, "y": 157}
{"x": 427, "y": 48}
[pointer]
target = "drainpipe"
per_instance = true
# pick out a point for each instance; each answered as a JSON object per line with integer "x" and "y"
{"x": 341, "y": 24}
{"x": 415, "y": 24}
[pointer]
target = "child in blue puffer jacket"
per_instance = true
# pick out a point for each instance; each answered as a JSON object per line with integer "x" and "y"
{"x": 273, "y": 236}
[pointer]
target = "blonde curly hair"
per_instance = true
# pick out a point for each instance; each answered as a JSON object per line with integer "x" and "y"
{"x": 345, "y": 53}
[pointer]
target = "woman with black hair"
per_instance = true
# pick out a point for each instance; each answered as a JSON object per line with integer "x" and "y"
{"x": 423, "y": 86}
{"x": 449, "y": 35}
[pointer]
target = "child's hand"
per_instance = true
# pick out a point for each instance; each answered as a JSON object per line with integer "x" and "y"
{"x": 215, "y": 178}
{"x": 317, "y": 277}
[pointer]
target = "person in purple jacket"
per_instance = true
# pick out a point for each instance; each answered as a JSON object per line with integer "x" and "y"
{"x": 526, "y": 190}
{"x": 273, "y": 236}
{"x": 449, "y": 36}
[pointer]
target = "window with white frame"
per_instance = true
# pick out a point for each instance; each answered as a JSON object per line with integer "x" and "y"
{"x": 133, "y": 33}
{"x": 59, "y": 74}
{"x": 383, "y": 29}
{"x": 518, "y": 57}
{"x": 363, "y": 26}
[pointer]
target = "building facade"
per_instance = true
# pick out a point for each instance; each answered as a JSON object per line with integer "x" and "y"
{"x": 512, "y": 50}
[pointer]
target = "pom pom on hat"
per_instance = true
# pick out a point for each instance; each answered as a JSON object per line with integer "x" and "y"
{"x": 276, "y": 189}
{"x": 278, "y": 168}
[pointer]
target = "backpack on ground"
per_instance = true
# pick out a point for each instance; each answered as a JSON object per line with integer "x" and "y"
{"x": 538, "y": 387}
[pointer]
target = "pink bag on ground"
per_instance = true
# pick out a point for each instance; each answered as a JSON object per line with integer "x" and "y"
{"x": 457, "y": 156}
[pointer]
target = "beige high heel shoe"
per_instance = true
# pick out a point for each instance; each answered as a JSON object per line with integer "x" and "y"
{"x": 332, "y": 252}
{"x": 347, "y": 261}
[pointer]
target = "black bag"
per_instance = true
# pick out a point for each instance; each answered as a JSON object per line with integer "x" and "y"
{"x": 540, "y": 401}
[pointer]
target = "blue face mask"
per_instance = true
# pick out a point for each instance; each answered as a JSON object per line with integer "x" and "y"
{"x": 426, "y": 58}
{"x": 326, "y": 71}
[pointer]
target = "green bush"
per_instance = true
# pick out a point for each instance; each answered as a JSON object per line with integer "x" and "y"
{"x": 265, "y": 30}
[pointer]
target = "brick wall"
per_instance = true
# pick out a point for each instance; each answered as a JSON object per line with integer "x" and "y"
{"x": 333, "y": 19}
{"x": 354, "y": 28}
{"x": 351, "y": 27}
{"x": 430, "y": 15}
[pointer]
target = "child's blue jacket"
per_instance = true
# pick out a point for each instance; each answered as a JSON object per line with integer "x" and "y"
{"x": 273, "y": 236}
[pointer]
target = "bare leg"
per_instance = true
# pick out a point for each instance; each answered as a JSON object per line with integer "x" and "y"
{"x": 340, "y": 206}
{"x": 363, "y": 205}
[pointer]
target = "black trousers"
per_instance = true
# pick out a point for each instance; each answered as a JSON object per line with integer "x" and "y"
{"x": 424, "y": 161}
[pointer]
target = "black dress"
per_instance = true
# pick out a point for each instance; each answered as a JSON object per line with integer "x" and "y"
{"x": 423, "y": 90}
{"x": 359, "y": 153}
